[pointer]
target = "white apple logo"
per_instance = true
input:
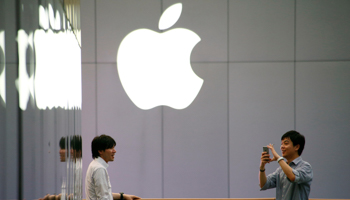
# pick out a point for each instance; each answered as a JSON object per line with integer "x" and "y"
{"x": 154, "y": 68}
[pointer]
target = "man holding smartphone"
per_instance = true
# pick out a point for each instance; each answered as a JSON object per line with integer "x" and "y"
{"x": 293, "y": 178}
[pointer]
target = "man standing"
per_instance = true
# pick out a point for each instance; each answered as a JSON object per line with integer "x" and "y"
{"x": 293, "y": 178}
{"x": 97, "y": 184}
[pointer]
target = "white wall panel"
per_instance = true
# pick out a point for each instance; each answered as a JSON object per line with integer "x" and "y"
{"x": 138, "y": 165}
{"x": 89, "y": 114}
{"x": 195, "y": 140}
{"x": 115, "y": 19}
{"x": 323, "y": 114}
{"x": 322, "y": 30}
{"x": 261, "y": 30}
{"x": 261, "y": 111}
{"x": 88, "y": 31}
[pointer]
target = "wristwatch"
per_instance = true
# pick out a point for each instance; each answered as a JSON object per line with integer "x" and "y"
{"x": 279, "y": 159}
{"x": 121, "y": 195}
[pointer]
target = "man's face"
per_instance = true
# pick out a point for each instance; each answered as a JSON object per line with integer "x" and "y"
{"x": 62, "y": 155}
{"x": 287, "y": 148}
{"x": 108, "y": 154}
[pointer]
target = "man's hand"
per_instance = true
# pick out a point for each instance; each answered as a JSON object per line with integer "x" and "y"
{"x": 46, "y": 197}
{"x": 130, "y": 197}
{"x": 274, "y": 153}
{"x": 265, "y": 158}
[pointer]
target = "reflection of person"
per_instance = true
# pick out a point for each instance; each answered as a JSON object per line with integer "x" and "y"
{"x": 97, "y": 184}
{"x": 63, "y": 152}
{"x": 76, "y": 153}
{"x": 63, "y": 155}
{"x": 75, "y": 181}
{"x": 293, "y": 178}
{"x": 75, "y": 148}
{"x": 75, "y": 145}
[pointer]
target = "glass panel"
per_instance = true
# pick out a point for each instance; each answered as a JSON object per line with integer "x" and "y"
{"x": 2, "y": 99}
{"x": 40, "y": 101}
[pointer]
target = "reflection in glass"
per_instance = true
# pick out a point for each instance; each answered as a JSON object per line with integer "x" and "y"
{"x": 40, "y": 102}
{"x": 63, "y": 149}
{"x": 76, "y": 155}
{"x": 2, "y": 69}
{"x": 73, "y": 14}
{"x": 70, "y": 152}
{"x": 2, "y": 108}
{"x": 57, "y": 78}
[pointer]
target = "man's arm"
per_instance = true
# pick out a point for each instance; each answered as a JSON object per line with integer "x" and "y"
{"x": 287, "y": 170}
{"x": 116, "y": 196}
{"x": 285, "y": 167}
{"x": 303, "y": 173}
{"x": 51, "y": 197}
{"x": 265, "y": 158}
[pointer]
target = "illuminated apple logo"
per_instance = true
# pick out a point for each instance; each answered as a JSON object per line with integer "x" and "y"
{"x": 154, "y": 68}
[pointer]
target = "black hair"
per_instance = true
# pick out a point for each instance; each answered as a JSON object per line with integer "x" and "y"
{"x": 63, "y": 143}
{"x": 296, "y": 138}
{"x": 76, "y": 142}
{"x": 101, "y": 143}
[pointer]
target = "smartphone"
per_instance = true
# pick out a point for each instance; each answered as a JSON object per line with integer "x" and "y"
{"x": 265, "y": 149}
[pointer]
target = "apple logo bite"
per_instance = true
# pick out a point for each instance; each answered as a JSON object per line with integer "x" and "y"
{"x": 154, "y": 68}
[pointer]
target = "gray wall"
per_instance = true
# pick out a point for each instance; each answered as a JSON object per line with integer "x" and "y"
{"x": 268, "y": 67}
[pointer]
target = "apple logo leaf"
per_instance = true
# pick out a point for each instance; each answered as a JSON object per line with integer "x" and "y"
{"x": 170, "y": 16}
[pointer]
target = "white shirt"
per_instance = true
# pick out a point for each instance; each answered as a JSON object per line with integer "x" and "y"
{"x": 97, "y": 185}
